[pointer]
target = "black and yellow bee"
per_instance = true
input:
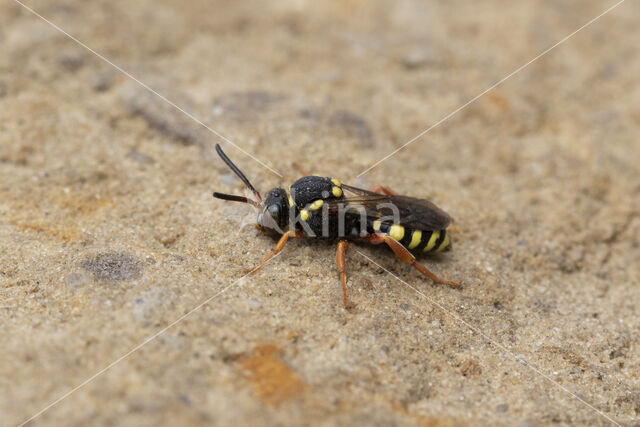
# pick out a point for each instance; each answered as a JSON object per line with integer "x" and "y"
{"x": 323, "y": 207}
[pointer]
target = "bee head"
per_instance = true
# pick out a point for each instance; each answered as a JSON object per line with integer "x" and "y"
{"x": 275, "y": 210}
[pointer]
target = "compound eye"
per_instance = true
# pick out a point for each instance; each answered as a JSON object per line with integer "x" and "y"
{"x": 273, "y": 211}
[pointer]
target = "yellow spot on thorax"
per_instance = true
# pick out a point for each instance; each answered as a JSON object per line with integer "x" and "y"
{"x": 397, "y": 232}
{"x": 290, "y": 200}
{"x": 316, "y": 205}
{"x": 337, "y": 192}
{"x": 432, "y": 241}
{"x": 377, "y": 225}
{"x": 416, "y": 237}
{"x": 304, "y": 214}
{"x": 336, "y": 182}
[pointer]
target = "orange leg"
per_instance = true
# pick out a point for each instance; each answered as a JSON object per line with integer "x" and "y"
{"x": 283, "y": 241}
{"x": 343, "y": 245}
{"x": 380, "y": 189}
{"x": 300, "y": 169}
{"x": 406, "y": 256}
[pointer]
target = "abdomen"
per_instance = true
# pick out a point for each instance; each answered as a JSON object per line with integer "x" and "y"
{"x": 416, "y": 241}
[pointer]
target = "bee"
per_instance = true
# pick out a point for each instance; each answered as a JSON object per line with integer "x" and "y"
{"x": 323, "y": 207}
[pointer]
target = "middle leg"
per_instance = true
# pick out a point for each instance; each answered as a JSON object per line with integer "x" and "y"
{"x": 343, "y": 245}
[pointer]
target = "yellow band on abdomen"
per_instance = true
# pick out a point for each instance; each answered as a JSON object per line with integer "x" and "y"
{"x": 432, "y": 241}
{"x": 444, "y": 243}
{"x": 396, "y": 232}
{"x": 416, "y": 237}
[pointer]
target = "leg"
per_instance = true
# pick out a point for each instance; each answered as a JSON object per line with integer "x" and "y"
{"x": 406, "y": 256}
{"x": 343, "y": 245}
{"x": 383, "y": 190}
{"x": 300, "y": 169}
{"x": 276, "y": 250}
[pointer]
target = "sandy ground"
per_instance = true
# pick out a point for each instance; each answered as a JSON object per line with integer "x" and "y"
{"x": 109, "y": 233}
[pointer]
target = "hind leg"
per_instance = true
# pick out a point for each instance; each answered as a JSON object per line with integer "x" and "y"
{"x": 301, "y": 170}
{"x": 406, "y": 256}
{"x": 380, "y": 189}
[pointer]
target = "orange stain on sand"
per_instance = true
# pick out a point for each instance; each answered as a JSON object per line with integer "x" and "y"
{"x": 65, "y": 234}
{"x": 271, "y": 379}
{"x": 66, "y": 209}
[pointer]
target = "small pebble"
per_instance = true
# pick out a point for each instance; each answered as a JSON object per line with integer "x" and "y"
{"x": 502, "y": 407}
{"x": 141, "y": 158}
{"x": 72, "y": 61}
{"x": 76, "y": 280}
{"x": 254, "y": 303}
{"x": 228, "y": 178}
{"x": 102, "y": 82}
{"x": 185, "y": 399}
{"x": 419, "y": 58}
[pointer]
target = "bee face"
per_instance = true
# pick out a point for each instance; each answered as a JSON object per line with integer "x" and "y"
{"x": 275, "y": 213}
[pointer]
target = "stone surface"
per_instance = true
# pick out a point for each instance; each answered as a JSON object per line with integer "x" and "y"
{"x": 109, "y": 234}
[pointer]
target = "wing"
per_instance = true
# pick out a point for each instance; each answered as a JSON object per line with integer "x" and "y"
{"x": 412, "y": 212}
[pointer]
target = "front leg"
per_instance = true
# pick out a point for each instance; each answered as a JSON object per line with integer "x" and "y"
{"x": 283, "y": 241}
